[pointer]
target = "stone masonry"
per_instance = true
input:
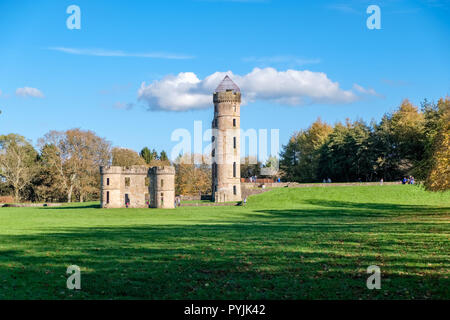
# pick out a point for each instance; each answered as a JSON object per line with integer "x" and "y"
{"x": 226, "y": 173}
{"x": 135, "y": 185}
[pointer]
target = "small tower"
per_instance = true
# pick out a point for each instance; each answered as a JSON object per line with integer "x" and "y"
{"x": 226, "y": 173}
{"x": 162, "y": 187}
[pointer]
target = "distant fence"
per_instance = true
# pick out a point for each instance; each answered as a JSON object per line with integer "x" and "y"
{"x": 30, "y": 205}
{"x": 6, "y": 199}
{"x": 309, "y": 185}
{"x": 195, "y": 197}
{"x": 265, "y": 180}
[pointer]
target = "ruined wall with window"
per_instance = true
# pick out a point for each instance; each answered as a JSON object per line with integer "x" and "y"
{"x": 132, "y": 187}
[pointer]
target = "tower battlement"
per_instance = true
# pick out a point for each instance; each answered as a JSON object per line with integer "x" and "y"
{"x": 162, "y": 170}
{"x": 123, "y": 170}
{"x": 227, "y": 96}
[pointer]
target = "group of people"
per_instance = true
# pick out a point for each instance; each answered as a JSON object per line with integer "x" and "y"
{"x": 177, "y": 202}
{"x": 328, "y": 180}
{"x": 409, "y": 180}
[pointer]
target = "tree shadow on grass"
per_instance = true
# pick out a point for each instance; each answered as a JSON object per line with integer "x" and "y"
{"x": 325, "y": 209}
{"x": 68, "y": 206}
{"x": 233, "y": 261}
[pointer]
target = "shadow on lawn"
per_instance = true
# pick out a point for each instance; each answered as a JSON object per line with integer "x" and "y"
{"x": 235, "y": 261}
{"x": 344, "y": 209}
{"x": 68, "y": 206}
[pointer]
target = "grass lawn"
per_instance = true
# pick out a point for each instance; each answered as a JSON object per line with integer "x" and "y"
{"x": 306, "y": 243}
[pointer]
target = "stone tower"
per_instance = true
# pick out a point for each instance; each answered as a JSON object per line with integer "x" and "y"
{"x": 226, "y": 173}
{"x": 162, "y": 187}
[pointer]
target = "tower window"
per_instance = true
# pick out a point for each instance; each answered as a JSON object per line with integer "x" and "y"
{"x": 213, "y": 138}
{"x": 234, "y": 122}
{"x": 162, "y": 183}
{"x": 234, "y": 142}
{"x": 213, "y": 153}
{"x": 234, "y": 169}
{"x": 234, "y": 190}
{"x": 107, "y": 181}
{"x": 107, "y": 196}
{"x": 127, "y": 181}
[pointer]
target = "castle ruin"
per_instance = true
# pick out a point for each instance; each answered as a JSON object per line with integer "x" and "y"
{"x": 143, "y": 187}
{"x": 137, "y": 187}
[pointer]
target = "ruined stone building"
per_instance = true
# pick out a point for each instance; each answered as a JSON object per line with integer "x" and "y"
{"x": 226, "y": 173}
{"x": 137, "y": 186}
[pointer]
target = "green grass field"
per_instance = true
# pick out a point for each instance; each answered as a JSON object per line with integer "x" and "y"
{"x": 306, "y": 243}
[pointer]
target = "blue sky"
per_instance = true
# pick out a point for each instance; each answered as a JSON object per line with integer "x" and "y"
{"x": 53, "y": 78}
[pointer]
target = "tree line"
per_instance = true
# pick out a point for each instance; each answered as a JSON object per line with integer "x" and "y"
{"x": 407, "y": 142}
{"x": 65, "y": 166}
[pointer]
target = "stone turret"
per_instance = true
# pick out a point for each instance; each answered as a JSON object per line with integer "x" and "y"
{"x": 226, "y": 175}
{"x": 162, "y": 187}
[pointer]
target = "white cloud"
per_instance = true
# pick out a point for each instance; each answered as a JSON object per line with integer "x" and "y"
{"x": 29, "y": 92}
{"x": 119, "y": 53}
{"x": 362, "y": 90}
{"x": 186, "y": 91}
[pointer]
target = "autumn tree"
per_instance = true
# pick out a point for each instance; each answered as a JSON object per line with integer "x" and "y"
{"x": 126, "y": 158}
{"x": 438, "y": 177}
{"x": 191, "y": 178}
{"x": 399, "y": 142}
{"x": 76, "y": 158}
{"x": 300, "y": 157}
{"x": 17, "y": 162}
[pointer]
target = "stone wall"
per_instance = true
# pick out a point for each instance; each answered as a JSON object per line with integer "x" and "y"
{"x": 308, "y": 185}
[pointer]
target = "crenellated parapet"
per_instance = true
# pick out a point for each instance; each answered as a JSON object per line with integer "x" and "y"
{"x": 227, "y": 96}
{"x": 131, "y": 170}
